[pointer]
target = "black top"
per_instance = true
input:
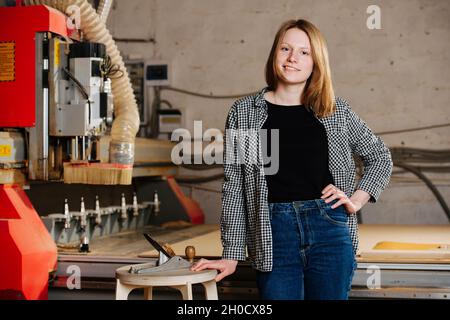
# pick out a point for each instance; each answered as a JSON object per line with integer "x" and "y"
{"x": 303, "y": 154}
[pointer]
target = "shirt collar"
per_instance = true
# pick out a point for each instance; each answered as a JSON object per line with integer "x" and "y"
{"x": 259, "y": 98}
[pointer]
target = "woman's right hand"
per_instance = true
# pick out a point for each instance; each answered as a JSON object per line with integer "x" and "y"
{"x": 224, "y": 266}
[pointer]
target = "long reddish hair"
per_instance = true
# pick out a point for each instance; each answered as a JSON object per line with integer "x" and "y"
{"x": 318, "y": 94}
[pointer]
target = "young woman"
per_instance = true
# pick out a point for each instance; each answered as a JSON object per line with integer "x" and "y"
{"x": 298, "y": 225}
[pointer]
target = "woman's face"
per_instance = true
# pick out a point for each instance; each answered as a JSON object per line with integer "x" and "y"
{"x": 294, "y": 62}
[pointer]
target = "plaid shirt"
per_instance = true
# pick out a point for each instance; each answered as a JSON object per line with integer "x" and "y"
{"x": 245, "y": 218}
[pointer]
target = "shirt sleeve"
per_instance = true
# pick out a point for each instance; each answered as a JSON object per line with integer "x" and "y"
{"x": 233, "y": 217}
{"x": 374, "y": 153}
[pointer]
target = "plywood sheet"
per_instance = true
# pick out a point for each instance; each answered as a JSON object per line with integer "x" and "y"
{"x": 418, "y": 243}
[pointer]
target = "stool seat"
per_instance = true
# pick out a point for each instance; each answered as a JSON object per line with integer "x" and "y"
{"x": 181, "y": 279}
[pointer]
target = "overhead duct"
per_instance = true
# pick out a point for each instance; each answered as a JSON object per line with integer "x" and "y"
{"x": 126, "y": 122}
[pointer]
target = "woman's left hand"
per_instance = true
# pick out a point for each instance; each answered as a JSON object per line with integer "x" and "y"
{"x": 330, "y": 192}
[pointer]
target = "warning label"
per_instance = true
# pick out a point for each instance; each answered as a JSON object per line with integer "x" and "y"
{"x": 5, "y": 150}
{"x": 7, "y": 61}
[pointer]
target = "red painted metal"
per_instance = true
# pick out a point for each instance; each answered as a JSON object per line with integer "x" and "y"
{"x": 192, "y": 208}
{"x": 19, "y": 25}
{"x": 28, "y": 253}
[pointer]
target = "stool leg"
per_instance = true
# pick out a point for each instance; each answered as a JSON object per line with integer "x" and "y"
{"x": 122, "y": 291}
{"x": 148, "y": 293}
{"x": 210, "y": 290}
{"x": 186, "y": 290}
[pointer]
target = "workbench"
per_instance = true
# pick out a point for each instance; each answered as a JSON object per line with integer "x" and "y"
{"x": 404, "y": 274}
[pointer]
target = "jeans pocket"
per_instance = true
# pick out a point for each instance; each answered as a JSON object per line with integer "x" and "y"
{"x": 337, "y": 216}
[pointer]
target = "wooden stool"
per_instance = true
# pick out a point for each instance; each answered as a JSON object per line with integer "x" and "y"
{"x": 178, "y": 279}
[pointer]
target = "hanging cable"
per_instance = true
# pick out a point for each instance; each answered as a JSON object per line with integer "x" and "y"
{"x": 413, "y": 129}
{"x": 167, "y": 103}
{"x": 110, "y": 70}
{"x": 200, "y": 167}
{"x": 208, "y": 96}
{"x": 77, "y": 83}
{"x": 212, "y": 96}
{"x": 429, "y": 184}
{"x": 182, "y": 179}
{"x": 82, "y": 90}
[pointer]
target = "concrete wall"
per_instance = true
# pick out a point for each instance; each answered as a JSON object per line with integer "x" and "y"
{"x": 395, "y": 78}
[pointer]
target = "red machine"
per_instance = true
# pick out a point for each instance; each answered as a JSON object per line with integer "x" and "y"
{"x": 56, "y": 103}
{"x": 18, "y": 28}
{"x": 28, "y": 253}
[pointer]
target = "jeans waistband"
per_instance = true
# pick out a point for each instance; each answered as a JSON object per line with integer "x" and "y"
{"x": 302, "y": 204}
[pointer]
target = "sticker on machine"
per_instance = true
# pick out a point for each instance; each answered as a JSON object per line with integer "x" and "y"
{"x": 5, "y": 150}
{"x": 7, "y": 61}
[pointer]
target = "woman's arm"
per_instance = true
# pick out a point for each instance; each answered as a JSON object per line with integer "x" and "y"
{"x": 352, "y": 205}
{"x": 225, "y": 267}
{"x": 359, "y": 199}
{"x": 374, "y": 153}
{"x": 233, "y": 218}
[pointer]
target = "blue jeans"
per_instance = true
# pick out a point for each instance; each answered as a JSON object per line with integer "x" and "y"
{"x": 313, "y": 256}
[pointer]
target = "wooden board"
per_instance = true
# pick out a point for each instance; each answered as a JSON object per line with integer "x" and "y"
{"x": 395, "y": 245}
{"x": 373, "y": 235}
{"x": 399, "y": 256}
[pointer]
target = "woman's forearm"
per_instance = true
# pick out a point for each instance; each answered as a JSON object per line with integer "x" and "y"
{"x": 360, "y": 198}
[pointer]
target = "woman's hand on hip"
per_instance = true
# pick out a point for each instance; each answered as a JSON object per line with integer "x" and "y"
{"x": 224, "y": 266}
{"x": 330, "y": 193}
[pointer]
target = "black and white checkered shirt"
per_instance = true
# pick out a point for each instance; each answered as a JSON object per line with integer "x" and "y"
{"x": 245, "y": 219}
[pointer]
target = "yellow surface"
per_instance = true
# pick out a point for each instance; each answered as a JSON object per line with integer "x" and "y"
{"x": 56, "y": 54}
{"x": 404, "y": 243}
{"x": 371, "y": 234}
{"x": 5, "y": 150}
{"x": 391, "y": 245}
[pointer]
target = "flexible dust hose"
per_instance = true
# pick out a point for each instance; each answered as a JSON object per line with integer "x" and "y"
{"x": 126, "y": 122}
{"x": 103, "y": 9}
